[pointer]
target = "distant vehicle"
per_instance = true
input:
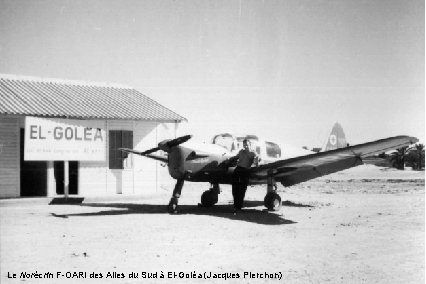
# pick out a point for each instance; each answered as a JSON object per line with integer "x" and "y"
{"x": 200, "y": 162}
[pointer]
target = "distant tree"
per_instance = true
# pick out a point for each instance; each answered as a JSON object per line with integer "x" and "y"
{"x": 416, "y": 157}
{"x": 420, "y": 149}
{"x": 382, "y": 155}
{"x": 398, "y": 158}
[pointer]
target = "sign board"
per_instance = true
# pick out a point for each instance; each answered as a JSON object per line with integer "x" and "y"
{"x": 51, "y": 139}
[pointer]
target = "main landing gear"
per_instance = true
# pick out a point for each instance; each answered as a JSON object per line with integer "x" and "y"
{"x": 173, "y": 204}
{"x": 272, "y": 200}
{"x": 210, "y": 197}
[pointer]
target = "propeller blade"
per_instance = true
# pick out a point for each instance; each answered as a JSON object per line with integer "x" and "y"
{"x": 139, "y": 152}
{"x": 163, "y": 145}
{"x": 150, "y": 151}
{"x": 179, "y": 140}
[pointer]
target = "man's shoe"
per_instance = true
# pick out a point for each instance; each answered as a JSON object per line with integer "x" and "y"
{"x": 237, "y": 210}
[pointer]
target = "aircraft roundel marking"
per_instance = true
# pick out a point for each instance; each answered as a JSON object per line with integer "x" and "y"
{"x": 333, "y": 139}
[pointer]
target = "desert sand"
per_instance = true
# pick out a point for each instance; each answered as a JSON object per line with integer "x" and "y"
{"x": 363, "y": 225}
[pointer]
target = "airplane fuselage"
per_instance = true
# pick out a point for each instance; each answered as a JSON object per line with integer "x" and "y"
{"x": 191, "y": 165}
{"x": 199, "y": 162}
{"x": 205, "y": 162}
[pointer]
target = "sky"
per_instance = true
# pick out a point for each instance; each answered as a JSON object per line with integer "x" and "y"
{"x": 285, "y": 70}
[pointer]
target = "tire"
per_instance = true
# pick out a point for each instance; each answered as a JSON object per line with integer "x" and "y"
{"x": 272, "y": 201}
{"x": 208, "y": 198}
{"x": 172, "y": 207}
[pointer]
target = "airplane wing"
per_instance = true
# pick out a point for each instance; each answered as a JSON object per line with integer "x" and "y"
{"x": 157, "y": 157}
{"x": 296, "y": 170}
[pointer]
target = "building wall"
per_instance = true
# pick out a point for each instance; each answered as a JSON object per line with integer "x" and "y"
{"x": 145, "y": 170}
{"x": 9, "y": 157}
{"x": 140, "y": 175}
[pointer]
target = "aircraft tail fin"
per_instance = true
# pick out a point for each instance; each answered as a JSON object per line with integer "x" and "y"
{"x": 336, "y": 139}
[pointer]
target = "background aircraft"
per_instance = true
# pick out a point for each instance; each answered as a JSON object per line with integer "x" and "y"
{"x": 199, "y": 162}
{"x": 336, "y": 139}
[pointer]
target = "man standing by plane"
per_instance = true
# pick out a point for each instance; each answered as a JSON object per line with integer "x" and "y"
{"x": 246, "y": 158}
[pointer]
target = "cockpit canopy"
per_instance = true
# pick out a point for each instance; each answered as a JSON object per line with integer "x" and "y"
{"x": 272, "y": 150}
{"x": 235, "y": 143}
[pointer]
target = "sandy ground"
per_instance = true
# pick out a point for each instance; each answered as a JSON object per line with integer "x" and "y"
{"x": 364, "y": 225}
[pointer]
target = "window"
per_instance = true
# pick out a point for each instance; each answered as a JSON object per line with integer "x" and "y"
{"x": 225, "y": 140}
{"x": 119, "y": 139}
{"x": 273, "y": 150}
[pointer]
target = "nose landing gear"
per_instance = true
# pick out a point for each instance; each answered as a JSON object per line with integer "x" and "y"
{"x": 173, "y": 204}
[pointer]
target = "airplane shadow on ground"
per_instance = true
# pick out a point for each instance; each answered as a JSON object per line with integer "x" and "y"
{"x": 249, "y": 213}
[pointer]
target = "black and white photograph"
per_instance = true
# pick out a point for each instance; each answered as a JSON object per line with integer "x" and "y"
{"x": 212, "y": 141}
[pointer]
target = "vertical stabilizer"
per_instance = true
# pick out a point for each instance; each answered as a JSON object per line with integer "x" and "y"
{"x": 336, "y": 139}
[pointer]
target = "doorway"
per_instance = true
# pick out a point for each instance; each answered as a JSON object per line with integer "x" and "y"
{"x": 59, "y": 173}
{"x": 33, "y": 174}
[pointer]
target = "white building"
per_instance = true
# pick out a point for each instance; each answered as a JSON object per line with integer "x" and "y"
{"x": 127, "y": 117}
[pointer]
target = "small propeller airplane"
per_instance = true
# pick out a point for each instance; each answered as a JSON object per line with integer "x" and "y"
{"x": 199, "y": 162}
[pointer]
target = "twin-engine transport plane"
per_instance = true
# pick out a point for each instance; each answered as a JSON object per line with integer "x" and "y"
{"x": 199, "y": 162}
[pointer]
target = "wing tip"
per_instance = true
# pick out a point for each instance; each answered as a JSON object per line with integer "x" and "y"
{"x": 410, "y": 139}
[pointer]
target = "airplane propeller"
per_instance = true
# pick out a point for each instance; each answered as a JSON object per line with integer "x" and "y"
{"x": 166, "y": 145}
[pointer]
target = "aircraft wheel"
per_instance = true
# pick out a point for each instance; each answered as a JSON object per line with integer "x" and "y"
{"x": 273, "y": 201}
{"x": 209, "y": 198}
{"x": 173, "y": 204}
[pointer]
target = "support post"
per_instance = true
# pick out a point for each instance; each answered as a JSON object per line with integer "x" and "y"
{"x": 51, "y": 182}
{"x": 66, "y": 178}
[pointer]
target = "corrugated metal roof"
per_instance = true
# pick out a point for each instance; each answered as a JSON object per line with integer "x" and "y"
{"x": 74, "y": 99}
